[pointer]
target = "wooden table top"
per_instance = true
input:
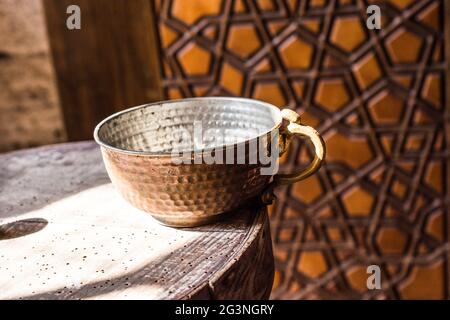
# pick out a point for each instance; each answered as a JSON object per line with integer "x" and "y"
{"x": 65, "y": 233}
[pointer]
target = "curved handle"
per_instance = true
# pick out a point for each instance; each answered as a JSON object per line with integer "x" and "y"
{"x": 296, "y": 129}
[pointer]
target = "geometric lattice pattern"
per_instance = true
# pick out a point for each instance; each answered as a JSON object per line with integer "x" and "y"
{"x": 378, "y": 99}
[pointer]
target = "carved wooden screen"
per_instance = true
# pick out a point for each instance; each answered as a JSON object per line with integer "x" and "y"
{"x": 378, "y": 99}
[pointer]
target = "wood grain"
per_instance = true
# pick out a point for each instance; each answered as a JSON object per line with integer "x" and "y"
{"x": 110, "y": 64}
{"x": 67, "y": 234}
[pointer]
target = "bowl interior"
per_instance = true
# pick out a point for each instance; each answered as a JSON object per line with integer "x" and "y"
{"x": 187, "y": 125}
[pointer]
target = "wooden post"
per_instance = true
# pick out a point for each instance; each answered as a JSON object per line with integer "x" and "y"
{"x": 110, "y": 64}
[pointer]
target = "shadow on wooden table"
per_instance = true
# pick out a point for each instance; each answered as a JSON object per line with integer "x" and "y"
{"x": 21, "y": 228}
{"x": 28, "y": 183}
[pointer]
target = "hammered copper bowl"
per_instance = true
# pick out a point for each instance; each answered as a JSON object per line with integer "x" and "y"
{"x": 138, "y": 148}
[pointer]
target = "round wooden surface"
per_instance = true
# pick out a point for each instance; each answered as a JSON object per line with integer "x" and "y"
{"x": 65, "y": 233}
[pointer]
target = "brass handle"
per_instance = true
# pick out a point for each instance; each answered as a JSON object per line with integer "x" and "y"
{"x": 296, "y": 129}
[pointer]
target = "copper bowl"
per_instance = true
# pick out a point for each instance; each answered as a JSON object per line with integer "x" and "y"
{"x": 156, "y": 157}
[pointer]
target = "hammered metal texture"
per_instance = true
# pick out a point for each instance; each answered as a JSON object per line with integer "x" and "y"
{"x": 185, "y": 194}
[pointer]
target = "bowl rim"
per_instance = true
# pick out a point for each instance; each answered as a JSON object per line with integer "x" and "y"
{"x": 103, "y": 144}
